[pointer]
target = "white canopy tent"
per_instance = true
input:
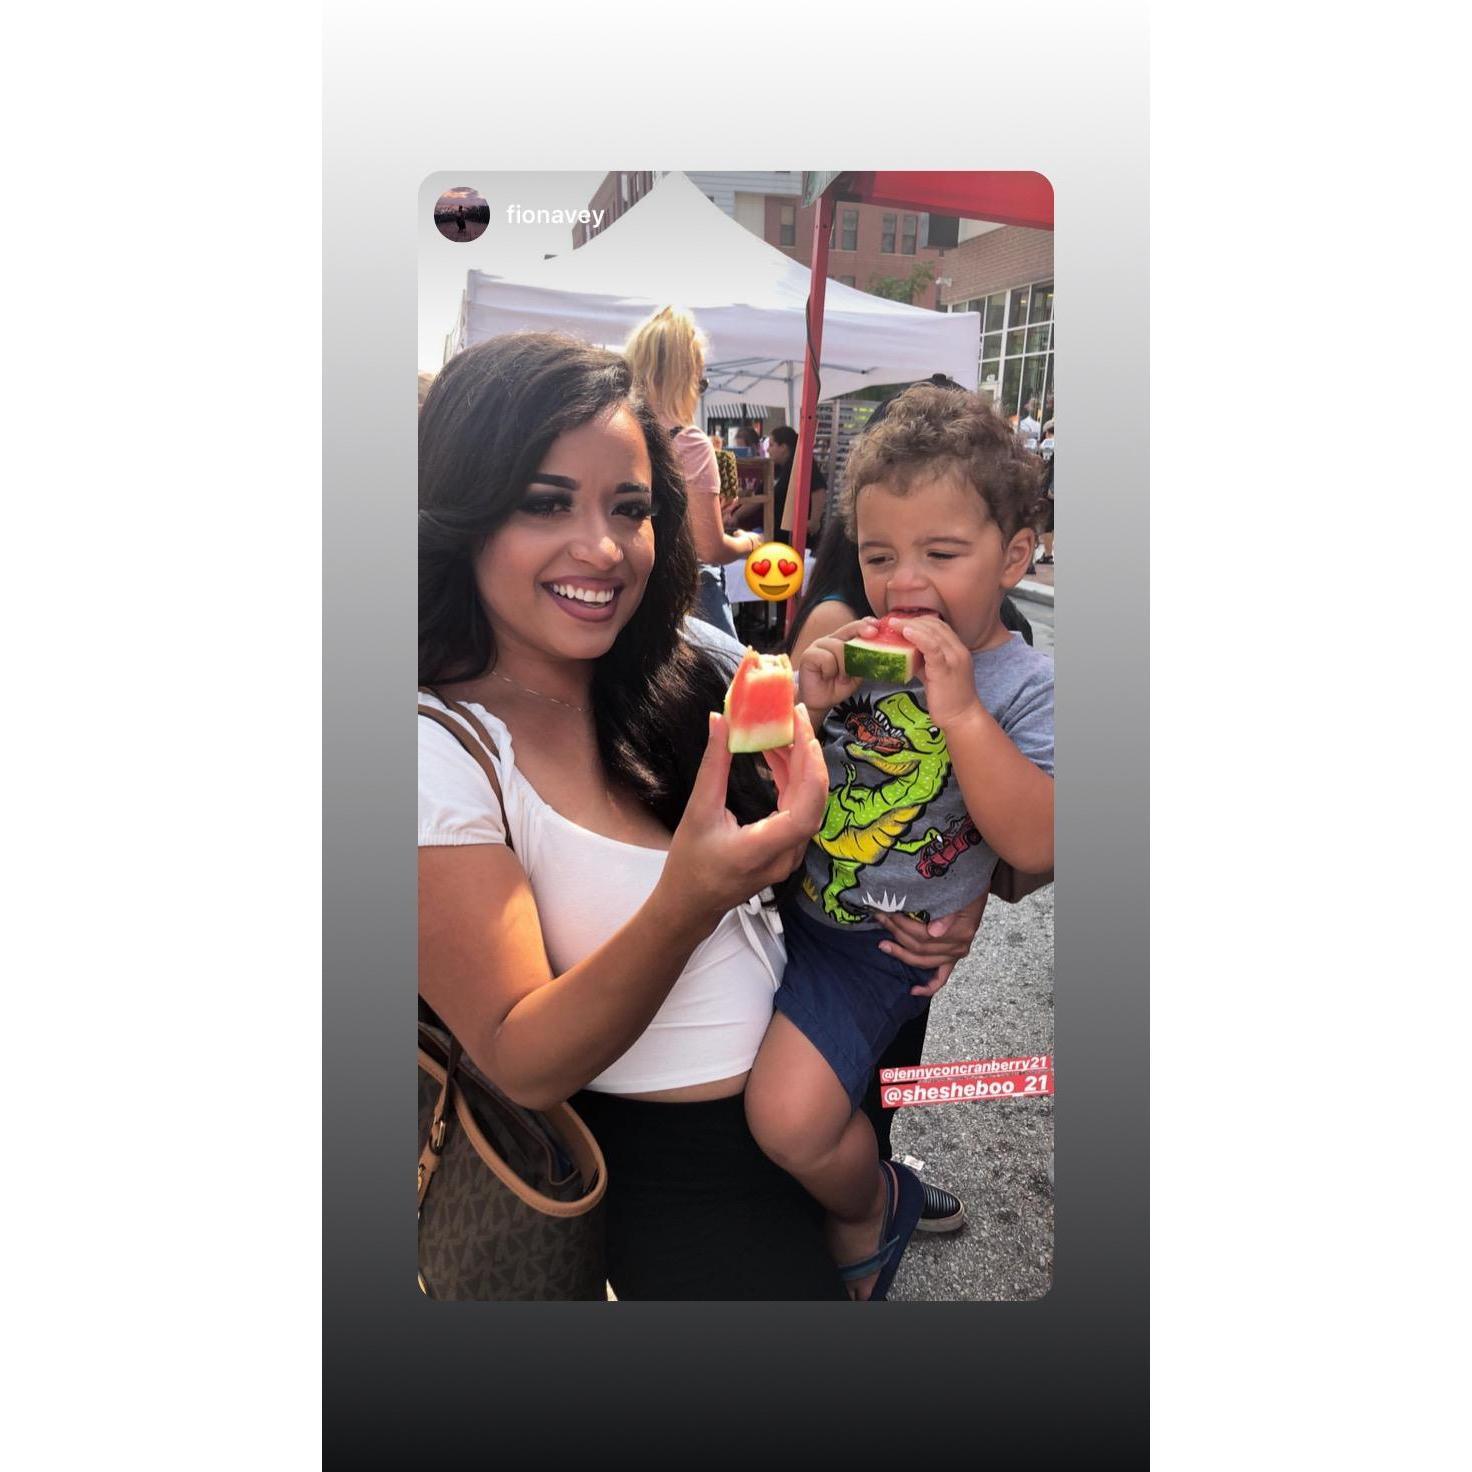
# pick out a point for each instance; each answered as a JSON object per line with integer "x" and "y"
{"x": 676, "y": 247}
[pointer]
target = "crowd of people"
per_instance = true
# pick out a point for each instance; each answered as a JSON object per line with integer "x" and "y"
{"x": 1037, "y": 439}
{"x": 780, "y": 446}
{"x": 710, "y": 956}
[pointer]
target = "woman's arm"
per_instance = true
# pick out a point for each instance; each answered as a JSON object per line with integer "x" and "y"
{"x": 484, "y": 969}
{"x": 938, "y": 943}
{"x": 713, "y": 543}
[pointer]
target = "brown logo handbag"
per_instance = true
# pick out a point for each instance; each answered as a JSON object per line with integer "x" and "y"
{"x": 510, "y": 1199}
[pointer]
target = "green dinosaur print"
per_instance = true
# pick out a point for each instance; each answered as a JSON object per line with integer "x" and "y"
{"x": 862, "y": 824}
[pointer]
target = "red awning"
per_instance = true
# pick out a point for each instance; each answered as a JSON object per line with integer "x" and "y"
{"x": 1005, "y": 197}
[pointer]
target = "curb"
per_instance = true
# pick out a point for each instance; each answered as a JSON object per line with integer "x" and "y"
{"x": 1033, "y": 592}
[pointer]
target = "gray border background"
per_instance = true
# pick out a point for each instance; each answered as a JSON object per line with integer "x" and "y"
{"x": 406, "y": 1379}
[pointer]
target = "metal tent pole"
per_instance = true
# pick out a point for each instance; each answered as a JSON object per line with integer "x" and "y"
{"x": 797, "y": 484}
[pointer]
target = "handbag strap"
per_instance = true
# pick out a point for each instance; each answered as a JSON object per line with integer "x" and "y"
{"x": 434, "y": 1145}
{"x": 480, "y": 750}
{"x": 584, "y": 1149}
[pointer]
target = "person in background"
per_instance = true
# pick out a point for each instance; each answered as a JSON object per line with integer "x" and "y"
{"x": 784, "y": 455}
{"x": 1028, "y": 428}
{"x": 667, "y": 354}
{"x": 717, "y": 443}
{"x": 1045, "y": 446}
{"x": 1047, "y": 533}
{"x": 747, "y": 442}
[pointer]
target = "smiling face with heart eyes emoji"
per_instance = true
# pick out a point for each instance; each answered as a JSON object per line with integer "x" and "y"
{"x": 774, "y": 571}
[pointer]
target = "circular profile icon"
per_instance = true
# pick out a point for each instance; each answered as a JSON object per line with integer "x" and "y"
{"x": 461, "y": 214}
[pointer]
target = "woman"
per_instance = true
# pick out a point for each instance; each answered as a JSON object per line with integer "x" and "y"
{"x": 667, "y": 354}
{"x": 614, "y": 952}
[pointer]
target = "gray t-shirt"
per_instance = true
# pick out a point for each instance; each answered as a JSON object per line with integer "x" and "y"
{"x": 896, "y": 834}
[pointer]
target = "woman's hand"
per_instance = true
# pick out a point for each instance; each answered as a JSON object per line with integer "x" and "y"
{"x": 820, "y": 678}
{"x": 715, "y": 862}
{"x": 941, "y": 943}
{"x": 946, "y": 671}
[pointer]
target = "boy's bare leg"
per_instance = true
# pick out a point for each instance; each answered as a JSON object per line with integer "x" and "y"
{"x": 801, "y": 1117}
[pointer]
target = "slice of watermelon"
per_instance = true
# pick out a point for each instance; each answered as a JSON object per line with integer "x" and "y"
{"x": 759, "y": 703}
{"x": 887, "y": 659}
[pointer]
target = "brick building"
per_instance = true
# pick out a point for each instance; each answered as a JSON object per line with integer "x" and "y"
{"x": 870, "y": 242}
{"x": 1003, "y": 273}
{"x": 615, "y": 196}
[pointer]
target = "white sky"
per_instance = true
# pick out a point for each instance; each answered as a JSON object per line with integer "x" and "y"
{"x": 443, "y": 263}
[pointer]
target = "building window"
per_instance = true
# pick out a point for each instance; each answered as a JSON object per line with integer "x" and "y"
{"x": 912, "y": 230}
{"x": 845, "y": 280}
{"x": 850, "y": 239}
{"x": 941, "y": 230}
{"x": 789, "y": 225}
{"x": 886, "y": 235}
{"x": 1017, "y": 346}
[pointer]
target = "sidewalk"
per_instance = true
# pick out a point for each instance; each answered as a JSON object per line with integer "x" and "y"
{"x": 1037, "y": 586}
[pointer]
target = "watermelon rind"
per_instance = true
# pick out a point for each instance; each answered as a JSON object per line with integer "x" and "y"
{"x": 885, "y": 664}
{"x": 761, "y": 738}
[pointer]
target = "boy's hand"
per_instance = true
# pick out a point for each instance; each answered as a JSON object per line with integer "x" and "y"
{"x": 821, "y": 682}
{"x": 950, "y": 686}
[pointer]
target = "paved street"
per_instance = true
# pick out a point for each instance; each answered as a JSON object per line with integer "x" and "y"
{"x": 993, "y": 1155}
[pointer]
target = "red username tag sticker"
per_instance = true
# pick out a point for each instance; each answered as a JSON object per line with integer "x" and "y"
{"x": 962, "y": 1083}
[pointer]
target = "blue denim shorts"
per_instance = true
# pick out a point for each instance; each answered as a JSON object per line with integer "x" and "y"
{"x": 845, "y": 995}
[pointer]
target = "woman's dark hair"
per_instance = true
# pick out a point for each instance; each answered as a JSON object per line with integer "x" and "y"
{"x": 785, "y": 434}
{"x": 487, "y": 423}
{"x": 836, "y": 573}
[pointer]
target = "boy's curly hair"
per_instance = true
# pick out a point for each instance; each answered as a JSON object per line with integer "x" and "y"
{"x": 930, "y": 431}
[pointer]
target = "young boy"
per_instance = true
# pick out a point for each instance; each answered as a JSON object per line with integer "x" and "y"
{"x": 930, "y": 783}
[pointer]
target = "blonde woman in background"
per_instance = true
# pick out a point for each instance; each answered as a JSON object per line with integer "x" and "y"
{"x": 667, "y": 355}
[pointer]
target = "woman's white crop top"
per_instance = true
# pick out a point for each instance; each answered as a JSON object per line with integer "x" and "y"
{"x": 586, "y": 886}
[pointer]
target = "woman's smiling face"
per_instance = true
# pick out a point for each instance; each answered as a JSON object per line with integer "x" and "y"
{"x": 565, "y": 572}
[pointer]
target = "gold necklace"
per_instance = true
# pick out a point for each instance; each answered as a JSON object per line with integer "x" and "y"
{"x": 527, "y": 690}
